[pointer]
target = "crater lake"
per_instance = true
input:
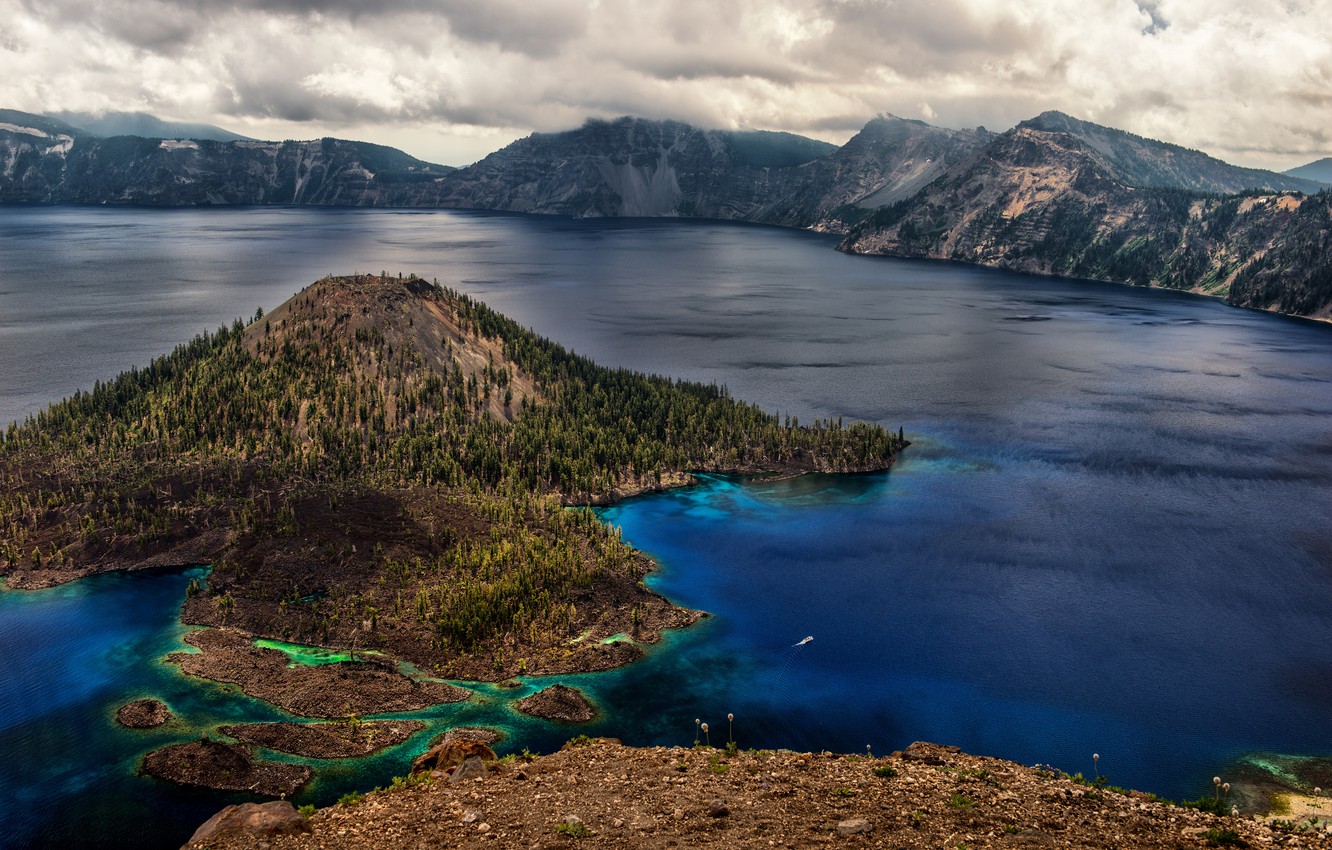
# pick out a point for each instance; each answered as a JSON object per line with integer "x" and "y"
{"x": 1112, "y": 533}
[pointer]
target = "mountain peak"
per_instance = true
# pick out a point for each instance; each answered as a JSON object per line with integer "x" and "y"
{"x": 1144, "y": 162}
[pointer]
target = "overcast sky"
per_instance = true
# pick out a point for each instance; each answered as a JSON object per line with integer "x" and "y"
{"x": 451, "y": 80}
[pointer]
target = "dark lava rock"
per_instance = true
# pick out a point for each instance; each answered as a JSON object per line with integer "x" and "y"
{"x": 338, "y": 740}
{"x": 558, "y": 702}
{"x": 224, "y": 767}
{"x": 258, "y": 820}
{"x": 143, "y": 714}
{"x": 322, "y": 690}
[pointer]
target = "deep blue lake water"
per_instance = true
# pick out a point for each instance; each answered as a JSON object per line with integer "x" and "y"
{"x": 1113, "y": 532}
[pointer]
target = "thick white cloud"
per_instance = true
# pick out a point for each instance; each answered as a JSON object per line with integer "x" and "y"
{"x": 450, "y": 80}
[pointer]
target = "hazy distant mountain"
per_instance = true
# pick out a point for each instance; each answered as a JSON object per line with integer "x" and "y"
{"x": 143, "y": 124}
{"x": 1146, "y": 162}
{"x": 1051, "y": 203}
{"x": 25, "y": 123}
{"x": 1320, "y": 170}
{"x": 636, "y": 167}
{"x": 47, "y": 161}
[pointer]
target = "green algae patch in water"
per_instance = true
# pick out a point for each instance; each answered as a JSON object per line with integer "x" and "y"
{"x": 309, "y": 655}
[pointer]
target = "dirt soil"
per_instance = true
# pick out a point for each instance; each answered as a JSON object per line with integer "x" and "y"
{"x": 606, "y": 795}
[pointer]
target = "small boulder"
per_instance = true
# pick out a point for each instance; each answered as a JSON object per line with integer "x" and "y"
{"x": 472, "y": 768}
{"x": 854, "y": 826}
{"x": 257, "y": 820}
{"x": 926, "y": 753}
{"x": 718, "y": 809}
{"x": 450, "y": 754}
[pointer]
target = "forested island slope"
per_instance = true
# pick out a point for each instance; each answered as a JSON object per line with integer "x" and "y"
{"x": 385, "y": 463}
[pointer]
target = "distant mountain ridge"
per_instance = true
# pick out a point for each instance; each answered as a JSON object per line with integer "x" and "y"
{"x": 1053, "y": 195}
{"x": 1320, "y": 170}
{"x": 43, "y": 160}
{"x": 146, "y": 125}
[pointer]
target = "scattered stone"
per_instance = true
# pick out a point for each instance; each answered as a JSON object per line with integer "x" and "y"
{"x": 558, "y": 702}
{"x": 337, "y": 740}
{"x": 143, "y": 714}
{"x": 225, "y": 767}
{"x": 854, "y": 826}
{"x": 253, "y": 820}
{"x": 470, "y": 816}
{"x": 450, "y": 754}
{"x": 718, "y": 809}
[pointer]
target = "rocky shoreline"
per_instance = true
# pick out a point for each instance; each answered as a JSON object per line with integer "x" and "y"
{"x": 336, "y": 690}
{"x": 338, "y": 740}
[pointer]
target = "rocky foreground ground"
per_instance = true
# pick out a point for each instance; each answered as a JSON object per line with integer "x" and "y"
{"x": 598, "y": 793}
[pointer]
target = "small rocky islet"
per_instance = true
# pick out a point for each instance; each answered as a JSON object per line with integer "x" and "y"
{"x": 558, "y": 702}
{"x": 143, "y": 714}
{"x": 206, "y": 763}
{"x": 351, "y": 738}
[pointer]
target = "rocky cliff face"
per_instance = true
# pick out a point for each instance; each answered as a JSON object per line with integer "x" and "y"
{"x": 1046, "y": 202}
{"x": 46, "y": 161}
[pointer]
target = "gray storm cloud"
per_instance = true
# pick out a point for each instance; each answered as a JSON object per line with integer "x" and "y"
{"x": 451, "y": 80}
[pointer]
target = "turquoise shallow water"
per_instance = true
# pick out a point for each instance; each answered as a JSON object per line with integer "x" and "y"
{"x": 1110, "y": 535}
